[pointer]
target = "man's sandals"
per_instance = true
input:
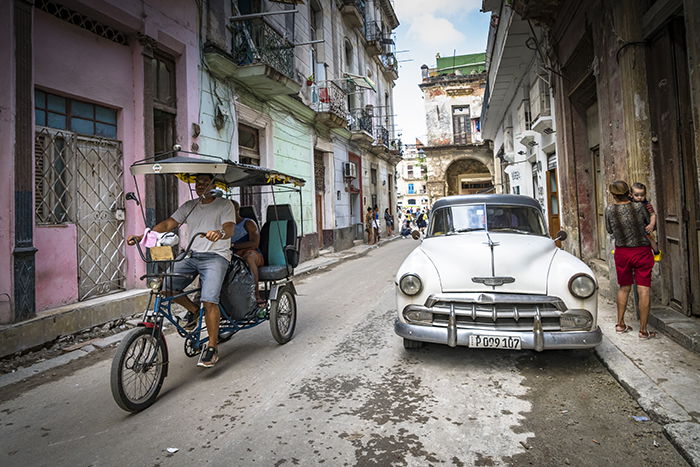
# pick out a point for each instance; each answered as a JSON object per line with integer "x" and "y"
{"x": 647, "y": 334}
{"x": 622, "y": 328}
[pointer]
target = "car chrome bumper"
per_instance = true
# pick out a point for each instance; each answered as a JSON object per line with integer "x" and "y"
{"x": 536, "y": 339}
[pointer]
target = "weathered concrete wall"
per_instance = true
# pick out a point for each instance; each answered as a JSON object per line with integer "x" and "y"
{"x": 439, "y": 159}
{"x": 439, "y": 99}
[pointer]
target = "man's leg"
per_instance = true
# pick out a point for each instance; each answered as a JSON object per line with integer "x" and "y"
{"x": 212, "y": 316}
{"x": 622, "y": 295}
{"x": 644, "y": 304}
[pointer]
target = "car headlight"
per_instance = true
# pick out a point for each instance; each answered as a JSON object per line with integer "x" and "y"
{"x": 410, "y": 284}
{"x": 575, "y": 320}
{"x": 582, "y": 285}
{"x": 154, "y": 283}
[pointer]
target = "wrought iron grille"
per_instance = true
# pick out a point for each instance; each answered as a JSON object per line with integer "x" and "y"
{"x": 389, "y": 62}
{"x": 53, "y": 179}
{"x": 78, "y": 180}
{"x": 359, "y": 4}
{"x": 373, "y": 31}
{"x": 331, "y": 98}
{"x": 255, "y": 41}
{"x": 360, "y": 120}
{"x": 82, "y": 21}
{"x": 382, "y": 136}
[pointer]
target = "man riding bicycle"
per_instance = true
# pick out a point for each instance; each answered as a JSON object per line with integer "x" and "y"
{"x": 210, "y": 257}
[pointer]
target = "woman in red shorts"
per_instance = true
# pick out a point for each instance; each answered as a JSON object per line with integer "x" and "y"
{"x": 634, "y": 260}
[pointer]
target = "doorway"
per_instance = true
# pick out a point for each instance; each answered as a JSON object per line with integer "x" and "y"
{"x": 673, "y": 154}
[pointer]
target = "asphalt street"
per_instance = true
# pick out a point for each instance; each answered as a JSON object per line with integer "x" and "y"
{"x": 342, "y": 392}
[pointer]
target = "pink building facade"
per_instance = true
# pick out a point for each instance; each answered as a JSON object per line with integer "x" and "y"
{"x": 92, "y": 87}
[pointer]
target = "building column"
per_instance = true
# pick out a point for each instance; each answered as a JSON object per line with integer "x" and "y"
{"x": 633, "y": 83}
{"x": 24, "y": 251}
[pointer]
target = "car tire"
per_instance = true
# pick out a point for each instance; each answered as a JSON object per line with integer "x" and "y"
{"x": 409, "y": 344}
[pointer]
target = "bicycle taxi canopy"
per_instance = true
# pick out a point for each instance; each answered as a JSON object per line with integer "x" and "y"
{"x": 227, "y": 174}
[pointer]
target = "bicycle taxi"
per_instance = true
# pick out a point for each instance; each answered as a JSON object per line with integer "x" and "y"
{"x": 141, "y": 361}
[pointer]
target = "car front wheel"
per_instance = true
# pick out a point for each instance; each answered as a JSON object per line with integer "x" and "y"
{"x": 409, "y": 344}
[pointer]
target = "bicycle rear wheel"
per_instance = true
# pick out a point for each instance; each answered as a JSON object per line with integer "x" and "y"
{"x": 138, "y": 369}
{"x": 283, "y": 315}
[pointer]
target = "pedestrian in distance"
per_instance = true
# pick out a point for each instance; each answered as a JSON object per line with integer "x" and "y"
{"x": 626, "y": 222}
{"x": 639, "y": 195}
{"x": 369, "y": 225}
{"x": 210, "y": 258}
{"x": 389, "y": 220}
{"x": 375, "y": 223}
{"x": 422, "y": 221}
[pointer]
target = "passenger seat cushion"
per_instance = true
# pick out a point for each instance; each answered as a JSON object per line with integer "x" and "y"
{"x": 276, "y": 240}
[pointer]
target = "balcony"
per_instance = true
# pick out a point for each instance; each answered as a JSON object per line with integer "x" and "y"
{"x": 390, "y": 66}
{"x": 382, "y": 136}
{"x": 360, "y": 122}
{"x": 353, "y": 12}
{"x": 265, "y": 59}
{"x": 374, "y": 37}
{"x": 330, "y": 101}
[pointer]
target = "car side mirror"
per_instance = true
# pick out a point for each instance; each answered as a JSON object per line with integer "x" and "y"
{"x": 132, "y": 197}
{"x": 561, "y": 236}
{"x": 415, "y": 234}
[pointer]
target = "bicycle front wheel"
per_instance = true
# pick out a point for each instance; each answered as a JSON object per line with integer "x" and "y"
{"x": 138, "y": 369}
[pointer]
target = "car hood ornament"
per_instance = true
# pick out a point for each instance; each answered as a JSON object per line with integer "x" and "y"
{"x": 493, "y": 281}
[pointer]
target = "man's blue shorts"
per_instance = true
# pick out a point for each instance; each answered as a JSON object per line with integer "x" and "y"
{"x": 210, "y": 266}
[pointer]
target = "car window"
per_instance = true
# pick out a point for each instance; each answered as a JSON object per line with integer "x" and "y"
{"x": 516, "y": 219}
{"x": 497, "y": 218}
{"x": 458, "y": 219}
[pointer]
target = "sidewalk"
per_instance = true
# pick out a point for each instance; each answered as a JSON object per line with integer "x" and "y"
{"x": 662, "y": 375}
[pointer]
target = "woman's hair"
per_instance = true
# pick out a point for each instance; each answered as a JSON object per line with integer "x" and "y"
{"x": 619, "y": 189}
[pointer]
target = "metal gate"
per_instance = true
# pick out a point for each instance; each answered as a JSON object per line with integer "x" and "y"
{"x": 80, "y": 178}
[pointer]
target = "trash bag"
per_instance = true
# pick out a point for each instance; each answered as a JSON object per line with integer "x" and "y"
{"x": 238, "y": 290}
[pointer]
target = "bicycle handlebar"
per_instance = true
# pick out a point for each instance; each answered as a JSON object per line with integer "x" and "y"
{"x": 180, "y": 257}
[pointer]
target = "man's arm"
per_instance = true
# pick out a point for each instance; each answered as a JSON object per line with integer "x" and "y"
{"x": 165, "y": 226}
{"x": 225, "y": 232}
{"x": 253, "y": 237}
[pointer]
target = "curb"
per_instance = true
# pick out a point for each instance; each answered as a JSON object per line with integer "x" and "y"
{"x": 41, "y": 367}
{"x": 678, "y": 425}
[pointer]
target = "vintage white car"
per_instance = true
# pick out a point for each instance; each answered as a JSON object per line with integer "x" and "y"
{"x": 487, "y": 275}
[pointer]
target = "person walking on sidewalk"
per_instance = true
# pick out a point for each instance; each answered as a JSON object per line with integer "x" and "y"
{"x": 626, "y": 222}
{"x": 389, "y": 219}
{"x": 369, "y": 226}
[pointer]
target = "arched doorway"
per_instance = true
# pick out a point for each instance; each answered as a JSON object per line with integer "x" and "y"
{"x": 468, "y": 176}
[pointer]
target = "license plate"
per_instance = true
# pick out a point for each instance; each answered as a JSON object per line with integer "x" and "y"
{"x": 493, "y": 342}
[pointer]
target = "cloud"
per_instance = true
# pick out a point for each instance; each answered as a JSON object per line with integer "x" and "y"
{"x": 410, "y": 10}
{"x": 434, "y": 33}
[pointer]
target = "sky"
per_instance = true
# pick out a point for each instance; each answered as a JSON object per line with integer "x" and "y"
{"x": 428, "y": 27}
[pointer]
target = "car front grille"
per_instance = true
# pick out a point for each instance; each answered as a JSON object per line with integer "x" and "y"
{"x": 498, "y": 316}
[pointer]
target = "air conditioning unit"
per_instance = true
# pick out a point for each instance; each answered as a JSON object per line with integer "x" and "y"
{"x": 349, "y": 170}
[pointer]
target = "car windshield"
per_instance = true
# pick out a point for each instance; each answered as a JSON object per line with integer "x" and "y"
{"x": 452, "y": 220}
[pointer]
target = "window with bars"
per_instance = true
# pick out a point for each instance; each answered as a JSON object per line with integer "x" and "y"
{"x": 61, "y": 113}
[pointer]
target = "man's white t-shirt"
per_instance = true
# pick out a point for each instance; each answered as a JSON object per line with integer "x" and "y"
{"x": 206, "y": 217}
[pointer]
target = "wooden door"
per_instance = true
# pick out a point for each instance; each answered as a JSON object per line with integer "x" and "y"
{"x": 673, "y": 153}
{"x": 319, "y": 218}
{"x": 553, "y": 203}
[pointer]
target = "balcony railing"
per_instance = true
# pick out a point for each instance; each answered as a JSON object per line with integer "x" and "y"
{"x": 390, "y": 63}
{"x": 382, "y": 135}
{"x": 330, "y": 97}
{"x": 359, "y": 4}
{"x": 255, "y": 41}
{"x": 360, "y": 120}
{"x": 373, "y": 31}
